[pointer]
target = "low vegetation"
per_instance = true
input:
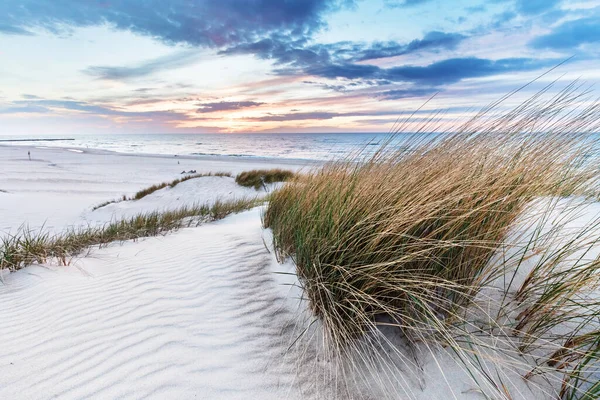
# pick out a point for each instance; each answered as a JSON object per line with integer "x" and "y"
{"x": 145, "y": 192}
{"x": 36, "y": 247}
{"x": 258, "y": 178}
{"x": 415, "y": 235}
{"x": 149, "y": 190}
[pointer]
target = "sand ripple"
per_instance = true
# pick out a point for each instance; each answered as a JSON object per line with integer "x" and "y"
{"x": 196, "y": 314}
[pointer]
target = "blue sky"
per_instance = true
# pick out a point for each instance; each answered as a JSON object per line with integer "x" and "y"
{"x": 133, "y": 66}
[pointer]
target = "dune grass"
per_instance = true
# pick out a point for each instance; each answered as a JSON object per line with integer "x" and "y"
{"x": 145, "y": 192}
{"x": 27, "y": 247}
{"x": 258, "y": 178}
{"x": 410, "y": 239}
{"x": 151, "y": 189}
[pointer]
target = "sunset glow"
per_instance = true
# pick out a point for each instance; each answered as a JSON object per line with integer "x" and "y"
{"x": 199, "y": 66}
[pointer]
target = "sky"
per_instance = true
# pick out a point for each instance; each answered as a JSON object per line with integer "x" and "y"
{"x": 243, "y": 66}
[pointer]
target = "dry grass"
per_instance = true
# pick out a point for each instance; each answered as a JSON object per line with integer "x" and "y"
{"x": 407, "y": 237}
{"x": 145, "y": 192}
{"x": 151, "y": 189}
{"x": 27, "y": 247}
{"x": 258, "y": 178}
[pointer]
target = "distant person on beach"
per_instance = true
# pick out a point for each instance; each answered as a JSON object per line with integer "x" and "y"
{"x": 29, "y": 155}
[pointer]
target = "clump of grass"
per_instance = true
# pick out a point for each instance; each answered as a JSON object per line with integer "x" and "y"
{"x": 405, "y": 238}
{"x": 149, "y": 190}
{"x": 105, "y": 203}
{"x": 27, "y": 247}
{"x": 145, "y": 192}
{"x": 258, "y": 178}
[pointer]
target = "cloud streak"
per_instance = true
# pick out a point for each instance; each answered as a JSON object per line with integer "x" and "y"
{"x": 226, "y": 106}
{"x": 438, "y": 73}
{"x": 149, "y": 67}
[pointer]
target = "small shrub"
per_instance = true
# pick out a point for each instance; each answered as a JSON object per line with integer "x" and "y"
{"x": 259, "y": 177}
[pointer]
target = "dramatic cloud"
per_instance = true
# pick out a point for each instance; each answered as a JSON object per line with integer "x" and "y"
{"x": 431, "y": 41}
{"x": 570, "y": 35}
{"x": 441, "y": 72}
{"x": 196, "y": 22}
{"x": 226, "y": 106}
{"x": 283, "y": 51}
{"x": 297, "y": 54}
{"x": 159, "y": 64}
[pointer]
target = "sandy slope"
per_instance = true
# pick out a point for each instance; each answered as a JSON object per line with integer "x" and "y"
{"x": 196, "y": 314}
{"x": 59, "y": 187}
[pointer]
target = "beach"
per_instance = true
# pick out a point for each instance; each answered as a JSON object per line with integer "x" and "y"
{"x": 200, "y": 313}
{"x": 59, "y": 186}
{"x": 206, "y": 311}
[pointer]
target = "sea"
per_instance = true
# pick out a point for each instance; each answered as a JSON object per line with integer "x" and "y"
{"x": 302, "y": 146}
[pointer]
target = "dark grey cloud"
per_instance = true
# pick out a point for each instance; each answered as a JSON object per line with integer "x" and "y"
{"x": 347, "y": 71}
{"x": 30, "y": 96}
{"x": 570, "y": 35}
{"x": 226, "y": 106}
{"x": 284, "y": 51}
{"x": 195, "y": 22}
{"x": 149, "y": 67}
{"x": 438, "y": 73}
{"x": 431, "y": 41}
{"x": 281, "y": 31}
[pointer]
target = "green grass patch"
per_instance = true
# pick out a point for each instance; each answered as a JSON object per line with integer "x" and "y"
{"x": 406, "y": 239}
{"x": 145, "y": 192}
{"x": 27, "y": 247}
{"x": 149, "y": 190}
{"x": 260, "y": 177}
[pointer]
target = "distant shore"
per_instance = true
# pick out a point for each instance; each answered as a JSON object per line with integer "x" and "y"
{"x": 33, "y": 140}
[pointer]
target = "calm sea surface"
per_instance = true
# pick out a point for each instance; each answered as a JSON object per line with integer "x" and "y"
{"x": 309, "y": 146}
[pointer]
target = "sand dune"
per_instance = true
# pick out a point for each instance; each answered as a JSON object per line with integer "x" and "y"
{"x": 196, "y": 314}
{"x": 59, "y": 188}
{"x": 200, "y": 313}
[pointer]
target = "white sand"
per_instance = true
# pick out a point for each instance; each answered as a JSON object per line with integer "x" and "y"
{"x": 199, "y": 313}
{"x": 196, "y": 314}
{"x": 59, "y": 187}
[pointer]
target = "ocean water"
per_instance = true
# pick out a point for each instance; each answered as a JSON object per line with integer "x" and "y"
{"x": 307, "y": 146}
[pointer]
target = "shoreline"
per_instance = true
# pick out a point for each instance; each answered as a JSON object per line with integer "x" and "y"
{"x": 60, "y": 186}
{"x": 206, "y": 157}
